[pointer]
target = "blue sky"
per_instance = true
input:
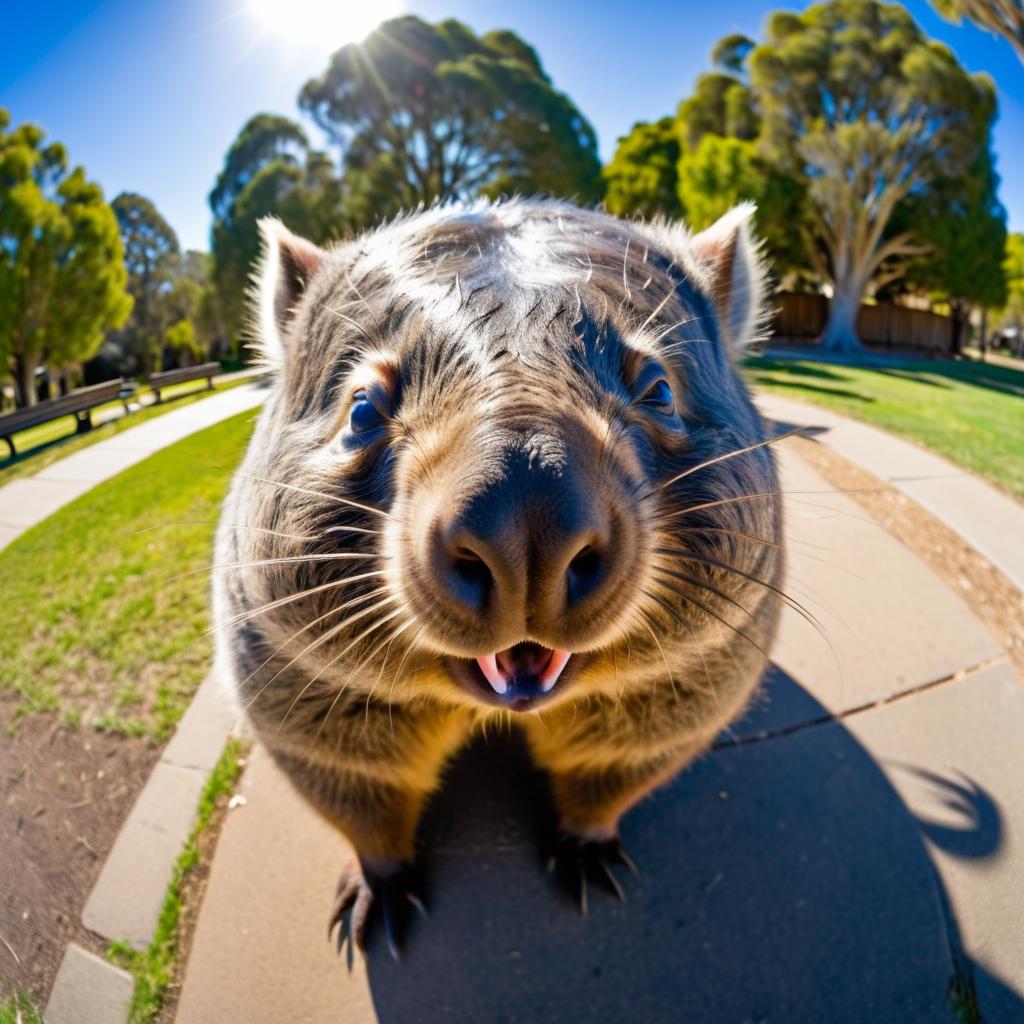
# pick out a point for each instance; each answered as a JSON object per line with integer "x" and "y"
{"x": 149, "y": 95}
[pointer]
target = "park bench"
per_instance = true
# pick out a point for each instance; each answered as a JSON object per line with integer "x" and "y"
{"x": 168, "y": 377}
{"x": 78, "y": 403}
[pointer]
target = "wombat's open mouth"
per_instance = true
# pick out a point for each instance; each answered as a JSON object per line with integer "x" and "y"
{"x": 518, "y": 677}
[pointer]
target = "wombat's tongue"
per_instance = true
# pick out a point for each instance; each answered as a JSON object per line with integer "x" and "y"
{"x": 525, "y": 660}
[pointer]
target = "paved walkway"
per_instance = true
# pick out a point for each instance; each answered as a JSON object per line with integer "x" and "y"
{"x": 29, "y": 500}
{"x": 856, "y": 841}
{"x": 988, "y": 519}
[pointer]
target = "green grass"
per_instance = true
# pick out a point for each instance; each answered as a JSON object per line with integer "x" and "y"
{"x": 154, "y": 968}
{"x": 972, "y": 413}
{"x": 60, "y": 439}
{"x": 17, "y": 1008}
{"x": 99, "y": 624}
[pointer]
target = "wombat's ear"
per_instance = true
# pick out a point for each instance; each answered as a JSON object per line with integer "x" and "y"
{"x": 736, "y": 274}
{"x": 287, "y": 266}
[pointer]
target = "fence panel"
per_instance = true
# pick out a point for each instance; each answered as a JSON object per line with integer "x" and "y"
{"x": 800, "y": 319}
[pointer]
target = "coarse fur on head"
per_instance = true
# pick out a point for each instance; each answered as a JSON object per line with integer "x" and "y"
{"x": 501, "y": 349}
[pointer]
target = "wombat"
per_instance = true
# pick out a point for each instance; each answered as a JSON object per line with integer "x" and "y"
{"x": 507, "y": 469}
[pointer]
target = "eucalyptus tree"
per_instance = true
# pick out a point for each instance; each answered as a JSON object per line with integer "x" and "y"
{"x": 1002, "y": 17}
{"x": 861, "y": 107}
{"x": 424, "y": 111}
{"x": 62, "y": 273}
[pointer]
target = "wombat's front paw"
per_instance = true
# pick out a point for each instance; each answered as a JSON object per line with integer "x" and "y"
{"x": 371, "y": 891}
{"x": 577, "y": 860}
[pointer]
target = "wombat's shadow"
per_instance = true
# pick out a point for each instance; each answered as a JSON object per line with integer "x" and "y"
{"x": 780, "y": 880}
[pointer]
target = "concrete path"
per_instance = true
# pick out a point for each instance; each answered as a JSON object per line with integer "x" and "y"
{"x": 985, "y": 517}
{"x": 29, "y": 500}
{"x": 845, "y": 851}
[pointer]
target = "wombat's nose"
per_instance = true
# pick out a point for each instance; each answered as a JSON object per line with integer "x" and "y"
{"x": 524, "y": 559}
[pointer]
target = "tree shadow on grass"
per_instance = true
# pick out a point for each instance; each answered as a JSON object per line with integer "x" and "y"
{"x": 801, "y": 386}
{"x": 781, "y": 879}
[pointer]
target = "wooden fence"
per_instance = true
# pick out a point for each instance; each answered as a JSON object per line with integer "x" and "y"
{"x": 800, "y": 319}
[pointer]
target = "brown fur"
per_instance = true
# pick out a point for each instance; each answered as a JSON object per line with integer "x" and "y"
{"x": 528, "y": 320}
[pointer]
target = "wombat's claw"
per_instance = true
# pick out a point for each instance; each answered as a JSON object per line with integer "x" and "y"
{"x": 363, "y": 895}
{"x": 577, "y": 860}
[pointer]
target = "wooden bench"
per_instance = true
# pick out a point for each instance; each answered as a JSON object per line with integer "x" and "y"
{"x": 168, "y": 377}
{"x": 78, "y": 403}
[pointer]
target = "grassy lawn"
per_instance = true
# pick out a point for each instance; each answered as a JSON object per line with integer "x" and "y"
{"x": 972, "y": 413}
{"x": 95, "y": 628}
{"x": 31, "y": 458}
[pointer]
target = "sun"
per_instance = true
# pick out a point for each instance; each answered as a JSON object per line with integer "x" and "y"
{"x": 323, "y": 22}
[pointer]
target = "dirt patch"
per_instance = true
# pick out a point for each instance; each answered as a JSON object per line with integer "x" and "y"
{"x": 65, "y": 793}
{"x": 987, "y": 592}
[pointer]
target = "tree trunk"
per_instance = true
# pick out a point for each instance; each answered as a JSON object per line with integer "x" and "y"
{"x": 984, "y": 335}
{"x": 956, "y": 334}
{"x": 840, "y": 334}
{"x": 25, "y": 380}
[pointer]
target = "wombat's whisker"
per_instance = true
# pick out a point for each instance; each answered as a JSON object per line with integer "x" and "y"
{"x": 336, "y": 556}
{"x": 349, "y": 529}
{"x": 657, "y": 309}
{"x": 661, "y": 651}
{"x": 691, "y": 556}
{"x": 729, "y": 455}
{"x": 281, "y": 601}
{"x": 409, "y": 648}
{"x": 695, "y": 581}
{"x": 323, "y": 639}
{"x": 354, "y": 602}
{"x": 809, "y": 617}
{"x": 703, "y": 607}
{"x": 229, "y": 526}
{"x": 316, "y": 494}
{"x": 365, "y": 633}
{"x": 718, "y": 502}
{"x": 354, "y": 323}
{"x": 387, "y": 653}
{"x": 728, "y": 533}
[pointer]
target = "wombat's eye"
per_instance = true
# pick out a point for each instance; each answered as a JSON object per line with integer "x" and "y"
{"x": 364, "y": 415}
{"x": 659, "y": 397}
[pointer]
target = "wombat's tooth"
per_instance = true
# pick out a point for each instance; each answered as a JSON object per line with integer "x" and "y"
{"x": 553, "y": 669}
{"x": 489, "y": 666}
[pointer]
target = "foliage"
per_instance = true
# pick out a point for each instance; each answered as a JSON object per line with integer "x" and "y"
{"x": 17, "y": 1008}
{"x": 971, "y": 413}
{"x": 857, "y": 104}
{"x": 642, "y": 177}
{"x": 1013, "y": 269}
{"x": 116, "y": 636}
{"x": 963, "y": 224}
{"x": 152, "y": 255}
{"x": 62, "y": 274}
{"x": 1002, "y": 17}
{"x": 715, "y": 176}
{"x": 270, "y": 170}
{"x": 181, "y": 338}
{"x": 469, "y": 115}
{"x": 154, "y": 968}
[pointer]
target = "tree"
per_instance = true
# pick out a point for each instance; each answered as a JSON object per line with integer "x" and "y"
{"x": 152, "y": 255}
{"x": 857, "y": 104}
{"x": 642, "y": 178}
{"x": 963, "y": 224}
{"x": 1002, "y": 17}
{"x": 181, "y": 338}
{"x": 270, "y": 169}
{"x": 423, "y": 112}
{"x": 1012, "y": 313}
{"x": 62, "y": 274}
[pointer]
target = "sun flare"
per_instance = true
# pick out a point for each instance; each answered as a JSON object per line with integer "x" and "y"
{"x": 316, "y": 22}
